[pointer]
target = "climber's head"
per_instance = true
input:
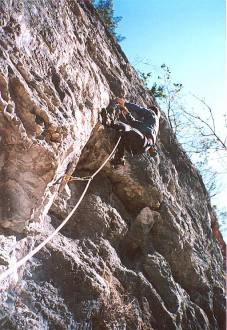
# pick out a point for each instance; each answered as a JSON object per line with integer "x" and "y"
{"x": 120, "y": 101}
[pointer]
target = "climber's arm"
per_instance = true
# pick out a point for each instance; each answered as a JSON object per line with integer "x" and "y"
{"x": 125, "y": 108}
{"x": 136, "y": 108}
{"x": 141, "y": 110}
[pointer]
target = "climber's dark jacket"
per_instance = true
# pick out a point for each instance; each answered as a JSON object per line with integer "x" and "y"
{"x": 147, "y": 121}
{"x": 138, "y": 135}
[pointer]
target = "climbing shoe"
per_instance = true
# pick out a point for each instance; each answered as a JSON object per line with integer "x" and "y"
{"x": 117, "y": 162}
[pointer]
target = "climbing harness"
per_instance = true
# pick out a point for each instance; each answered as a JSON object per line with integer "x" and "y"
{"x": 13, "y": 268}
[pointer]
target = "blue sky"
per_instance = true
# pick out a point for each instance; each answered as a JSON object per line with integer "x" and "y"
{"x": 188, "y": 36}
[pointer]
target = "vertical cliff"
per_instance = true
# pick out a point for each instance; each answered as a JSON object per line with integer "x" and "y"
{"x": 140, "y": 252}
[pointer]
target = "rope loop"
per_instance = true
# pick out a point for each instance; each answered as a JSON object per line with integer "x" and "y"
{"x": 19, "y": 263}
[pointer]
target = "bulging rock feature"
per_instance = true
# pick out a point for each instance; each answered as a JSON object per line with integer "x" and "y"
{"x": 145, "y": 220}
{"x": 142, "y": 250}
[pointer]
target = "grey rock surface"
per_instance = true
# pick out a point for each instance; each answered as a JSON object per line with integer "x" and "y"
{"x": 139, "y": 253}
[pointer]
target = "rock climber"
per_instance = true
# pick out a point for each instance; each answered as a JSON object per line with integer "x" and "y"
{"x": 137, "y": 135}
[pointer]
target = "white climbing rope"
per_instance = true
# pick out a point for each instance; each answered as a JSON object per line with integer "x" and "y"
{"x": 13, "y": 268}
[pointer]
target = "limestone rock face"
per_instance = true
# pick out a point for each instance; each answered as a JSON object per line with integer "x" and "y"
{"x": 139, "y": 253}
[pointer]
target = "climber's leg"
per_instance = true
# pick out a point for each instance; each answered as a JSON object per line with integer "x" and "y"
{"x": 135, "y": 142}
{"x": 132, "y": 141}
{"x": 119, "y": 155}
{"x": 121, "y": 127}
